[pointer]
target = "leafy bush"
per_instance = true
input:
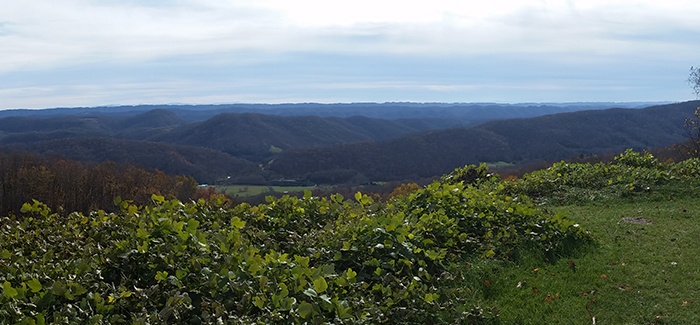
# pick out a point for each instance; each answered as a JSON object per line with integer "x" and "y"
{"x": 290, "y": 260}
{"x": 629, "y": 174}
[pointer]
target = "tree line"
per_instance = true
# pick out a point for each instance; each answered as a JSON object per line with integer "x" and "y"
{"x": 66, "y": 185}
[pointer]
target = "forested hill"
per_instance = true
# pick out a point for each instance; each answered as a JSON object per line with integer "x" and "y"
{"x": 413, "y": 140}
{"x": 551, "y": 137}
{"x": 211, "y": 142}
{"x": 257, "y": 136}
{"x": 222, "y": 146}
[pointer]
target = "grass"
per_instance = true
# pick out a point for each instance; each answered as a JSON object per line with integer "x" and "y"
{"x": 499, "y": 164}
{"x": 253, "y": 190}
{"x": 637, "y": 273}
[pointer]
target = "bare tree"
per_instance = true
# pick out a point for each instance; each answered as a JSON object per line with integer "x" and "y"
{"x": 694, "y": 80}
{"x": 692, "y": 124}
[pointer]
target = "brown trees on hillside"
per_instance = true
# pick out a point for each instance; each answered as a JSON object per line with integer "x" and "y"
{"x": 69, "y": 186}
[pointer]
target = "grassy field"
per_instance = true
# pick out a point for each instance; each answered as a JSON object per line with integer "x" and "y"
{"x": 252, "y": 190}
{"x": 643, "y": 269}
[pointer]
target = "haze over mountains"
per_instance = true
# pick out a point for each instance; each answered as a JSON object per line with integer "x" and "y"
{"x": 338, "y": 143}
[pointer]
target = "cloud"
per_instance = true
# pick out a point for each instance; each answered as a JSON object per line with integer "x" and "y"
{"x": 75, "y": 30}
{"x": 277, "y": 50}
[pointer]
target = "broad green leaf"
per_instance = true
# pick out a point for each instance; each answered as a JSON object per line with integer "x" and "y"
{"x": 431, "y": 254}
{"x": 342, "y": 309}
{"x": 287, "y": 303}
{"x": 192, "y": 225}
{"x": 161, "y": 276}
{"x": 178, "y": 225}
{"x": 26, "y": 208}
{"x": 58, "y": 288}
{"x": 255, "y": 265}
{"x": 337, "y": 198}
{"x": 77, "y": 289}
{"x": 143, "y": 247}
{"x": 284, "y": 291}
{"x": 8, "y": 290}
{"x": 181, "y": 273}
{"x": 301, "y": 260}
{"x": 34, "y": 285}
{"x": 142, "y": 233}
{"x": 305, "y": 309}
{"x": 351, "y": 274}
{"x": 329, "y": 270}
{"x": 40, "y": 320}
{"x": 341, "y": 281}
{"x": 158, "y": 199}
{"x": 320, "y": 285}
{"x": 430, "y": 297}
{"x": 237, "y": 223}
{"x": 259, "y": 301}
{"x": 5, "y": 254}
{"x": 223, "y": 246}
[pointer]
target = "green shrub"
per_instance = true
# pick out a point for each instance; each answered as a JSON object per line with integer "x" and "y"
{"x": 290, "y": 260}
{"x": 630, "y": 174}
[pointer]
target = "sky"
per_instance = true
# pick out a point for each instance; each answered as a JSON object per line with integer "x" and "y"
{"x": 72, "y": 53}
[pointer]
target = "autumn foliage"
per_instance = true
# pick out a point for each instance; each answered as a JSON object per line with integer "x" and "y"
{"x": 65, "y": 185}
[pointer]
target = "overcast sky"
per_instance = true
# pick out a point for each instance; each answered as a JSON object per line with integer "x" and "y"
{"x": 111, "y": 52}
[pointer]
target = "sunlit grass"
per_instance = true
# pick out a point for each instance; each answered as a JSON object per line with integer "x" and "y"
{"x": 637, "y": 273}
{"x": 253, "y": 190}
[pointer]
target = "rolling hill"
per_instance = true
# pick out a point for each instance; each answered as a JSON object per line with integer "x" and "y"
{"x": 545, "y": 138}
{"x": 204, "y": 164}
{"x": 257, "y": 136}
{"x": 340, "y": 146}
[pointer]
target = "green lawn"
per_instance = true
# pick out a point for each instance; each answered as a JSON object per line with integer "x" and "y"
{"x": 499, "y": 164}
{"x": 638, "y": 273}
{"x": 252, "y": 190}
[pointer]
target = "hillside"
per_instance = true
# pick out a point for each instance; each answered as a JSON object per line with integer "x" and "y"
{"x": 203, "y": 164}
{"x": 256, "y": 136}
{"x": 225, "y": 145}
{"x": 213, "y": 142}
{"x": 551, "y": 137}
{"x": 559, "y": 136}
{"x": 410, "y": 157}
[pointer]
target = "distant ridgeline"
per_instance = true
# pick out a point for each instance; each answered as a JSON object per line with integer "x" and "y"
{"x": 338, "y": 143}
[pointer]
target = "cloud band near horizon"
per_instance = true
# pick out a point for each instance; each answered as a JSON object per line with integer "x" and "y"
{"x": 101, "y": 52}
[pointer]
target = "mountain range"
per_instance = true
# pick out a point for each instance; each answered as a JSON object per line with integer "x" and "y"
{"x": 332, "y": 143}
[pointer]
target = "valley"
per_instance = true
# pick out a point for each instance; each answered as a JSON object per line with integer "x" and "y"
{"x": 332, "y": 144}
